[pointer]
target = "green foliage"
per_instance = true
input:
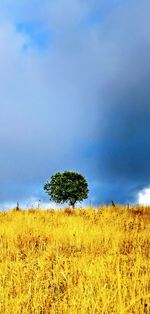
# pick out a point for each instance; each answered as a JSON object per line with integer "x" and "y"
{"x": 67, "y": 187}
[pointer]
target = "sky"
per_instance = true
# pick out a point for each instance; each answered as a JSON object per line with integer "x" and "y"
{"x": 74, "y": 95}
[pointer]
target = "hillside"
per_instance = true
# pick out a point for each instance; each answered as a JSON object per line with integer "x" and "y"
{"x": 89, "y": 261}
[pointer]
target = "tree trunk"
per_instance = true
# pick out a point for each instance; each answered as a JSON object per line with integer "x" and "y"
{"x": 72, "y": 204}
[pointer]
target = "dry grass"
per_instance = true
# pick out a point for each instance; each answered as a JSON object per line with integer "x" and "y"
{"x": 86, "y": 261}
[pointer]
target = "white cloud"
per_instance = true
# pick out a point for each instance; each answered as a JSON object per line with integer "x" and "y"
{"x": 30, "y": 203}
{"x": 144, "y": 197}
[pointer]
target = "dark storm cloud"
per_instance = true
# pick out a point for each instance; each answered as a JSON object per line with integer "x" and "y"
{"x": 125, "y": 149}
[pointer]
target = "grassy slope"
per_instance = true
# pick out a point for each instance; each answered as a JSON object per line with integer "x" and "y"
{"x": 86, "y": 262}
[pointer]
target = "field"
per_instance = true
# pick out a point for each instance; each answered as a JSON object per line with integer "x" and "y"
{"x": 83, "y": 262}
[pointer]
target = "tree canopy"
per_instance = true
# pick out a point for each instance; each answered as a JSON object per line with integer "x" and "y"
{"x": 67, "y": 187}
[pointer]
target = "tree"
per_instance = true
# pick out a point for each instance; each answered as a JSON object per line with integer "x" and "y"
{"x": 67, "y": 187}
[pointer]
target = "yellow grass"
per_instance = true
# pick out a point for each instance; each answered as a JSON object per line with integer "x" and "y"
{"x": 88, "y": 262}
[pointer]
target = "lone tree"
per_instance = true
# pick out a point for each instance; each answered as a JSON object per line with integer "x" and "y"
{"x": 67, "y": 187}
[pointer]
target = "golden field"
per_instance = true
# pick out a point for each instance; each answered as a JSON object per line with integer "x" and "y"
{"x": 88, "y": 261}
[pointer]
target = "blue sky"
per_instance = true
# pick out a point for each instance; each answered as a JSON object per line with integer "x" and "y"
{"x": 74, "y": 96}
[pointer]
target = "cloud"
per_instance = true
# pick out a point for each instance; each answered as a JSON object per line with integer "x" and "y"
{"x": 81, "y": 103}
{"x": 42, "y": 110}
{"x": 125, "y": 149}
{"x": 31, "y": 203}
{"x": 144, "y": 197}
